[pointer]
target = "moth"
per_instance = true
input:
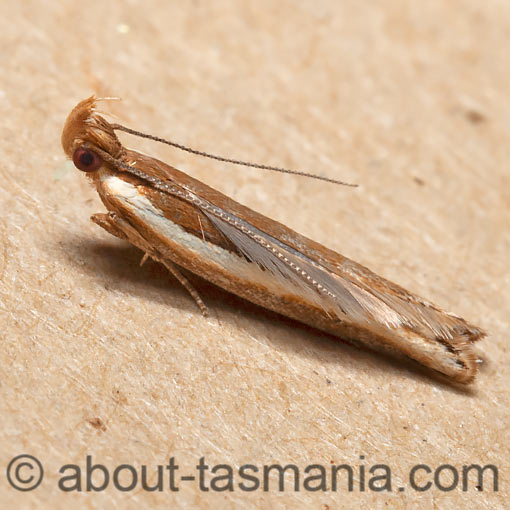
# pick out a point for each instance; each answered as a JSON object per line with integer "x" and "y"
{"x": 183, "y": 223}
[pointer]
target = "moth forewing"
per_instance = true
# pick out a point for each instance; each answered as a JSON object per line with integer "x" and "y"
{"x": 176, "y": 219}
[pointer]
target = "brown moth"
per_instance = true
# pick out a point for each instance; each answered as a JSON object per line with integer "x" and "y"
{"x": 183, "y": 223}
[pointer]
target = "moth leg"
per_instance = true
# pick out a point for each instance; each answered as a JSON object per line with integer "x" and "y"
{"x": 110, "y": 223}
{"x": 123, "y": 230}
{"x": 144, "y": 259}
{"x": 186, "y": 284}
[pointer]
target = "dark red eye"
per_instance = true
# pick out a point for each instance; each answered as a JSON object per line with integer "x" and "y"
{"x": 86, "y": 160}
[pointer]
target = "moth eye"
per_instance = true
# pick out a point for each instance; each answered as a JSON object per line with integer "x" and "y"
{"x": 86, "y": 160}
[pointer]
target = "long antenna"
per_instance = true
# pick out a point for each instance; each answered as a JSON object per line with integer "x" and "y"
{"x": 119, "y": 127}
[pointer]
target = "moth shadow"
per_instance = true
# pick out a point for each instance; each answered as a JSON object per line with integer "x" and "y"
{"x": 117, "y": 265}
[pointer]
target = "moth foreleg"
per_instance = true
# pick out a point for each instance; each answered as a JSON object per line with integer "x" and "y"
{"x": 111, "y": 223}
{"x": 120, "y": 228}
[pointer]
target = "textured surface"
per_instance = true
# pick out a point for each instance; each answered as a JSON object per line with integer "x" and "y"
{"x": 101, "y": 357}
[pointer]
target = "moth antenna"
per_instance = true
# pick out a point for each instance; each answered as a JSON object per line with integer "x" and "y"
{"x": 119, "y": 127}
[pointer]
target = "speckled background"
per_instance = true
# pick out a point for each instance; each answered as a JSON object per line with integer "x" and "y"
{"x": 101, "y": 357}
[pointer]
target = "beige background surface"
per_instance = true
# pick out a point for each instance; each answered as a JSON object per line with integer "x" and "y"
{"x": 101, "y": 357}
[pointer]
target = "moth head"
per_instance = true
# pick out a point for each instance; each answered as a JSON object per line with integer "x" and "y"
{"x": 84, "y": 131}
